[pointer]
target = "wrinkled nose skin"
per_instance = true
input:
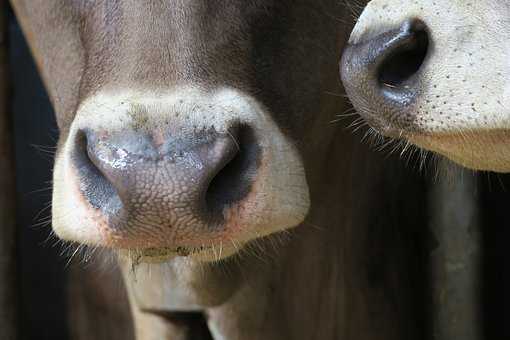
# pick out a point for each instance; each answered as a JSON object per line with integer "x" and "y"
{"x": 180, "y": 183}
{"x": 381, "y": 75}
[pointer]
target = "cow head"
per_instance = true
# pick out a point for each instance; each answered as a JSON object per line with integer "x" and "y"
{"x": 180, "y": 121}
{"x": 435, "y": 73}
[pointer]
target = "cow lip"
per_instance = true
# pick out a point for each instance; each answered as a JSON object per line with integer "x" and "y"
{"x": 383, "y": 126}
{"x": 156, "y": 255}
{"x": 394, "y": 127}
{"x": 166, "y": 253}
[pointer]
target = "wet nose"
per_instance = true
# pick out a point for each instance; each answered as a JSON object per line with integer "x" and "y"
{"x": 382, "y": 73}
{"x": 162, "y": 179}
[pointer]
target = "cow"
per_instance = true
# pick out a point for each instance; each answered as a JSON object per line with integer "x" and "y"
{"x": 435, "y": 74}
{"x": 196, "y": 146}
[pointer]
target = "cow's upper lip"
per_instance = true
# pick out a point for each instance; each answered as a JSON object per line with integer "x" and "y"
{"x": 383, "y": 126}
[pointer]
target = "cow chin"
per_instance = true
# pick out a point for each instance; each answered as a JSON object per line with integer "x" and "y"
{"x": 188, "y": 172}
{"x": 477, "y": 150}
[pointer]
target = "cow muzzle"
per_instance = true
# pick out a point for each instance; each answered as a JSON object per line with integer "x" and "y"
{"x": 382, "y": 75}
{"x": 432, "y": 74}
{"x": 177, "y": 175}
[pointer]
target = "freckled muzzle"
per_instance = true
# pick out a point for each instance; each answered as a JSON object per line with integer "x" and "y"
{"x": 436, "y": 74}
{"x": 176, "y": 173}
{"x": 382, "y": 75}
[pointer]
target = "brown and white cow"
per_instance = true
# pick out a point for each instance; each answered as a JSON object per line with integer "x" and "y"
{"x": 193, "y": 135}
{"x": 435, "y": 73}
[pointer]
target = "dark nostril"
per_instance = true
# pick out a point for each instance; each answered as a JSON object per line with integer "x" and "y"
{"x": 234, "y": 179}
{"x": 94, "y": 185}
{"x": 406, "y": 55}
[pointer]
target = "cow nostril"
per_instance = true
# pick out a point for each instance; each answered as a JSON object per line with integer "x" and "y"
{"x": 407, "y": 57}
{"x": 233, "y": 181}
{"x": 94, "y": 185}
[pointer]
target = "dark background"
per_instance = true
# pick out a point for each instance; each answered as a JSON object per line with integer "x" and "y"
{"x": 42, "y": 271}
{"x": 41, "y": 268}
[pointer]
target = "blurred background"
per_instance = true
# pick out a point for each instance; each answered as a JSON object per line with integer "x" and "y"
{"x": 41, "y": 269}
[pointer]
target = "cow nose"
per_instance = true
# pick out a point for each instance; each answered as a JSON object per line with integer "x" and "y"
{"x": 162, "y": 179}
{"x": 383, "y": 72}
